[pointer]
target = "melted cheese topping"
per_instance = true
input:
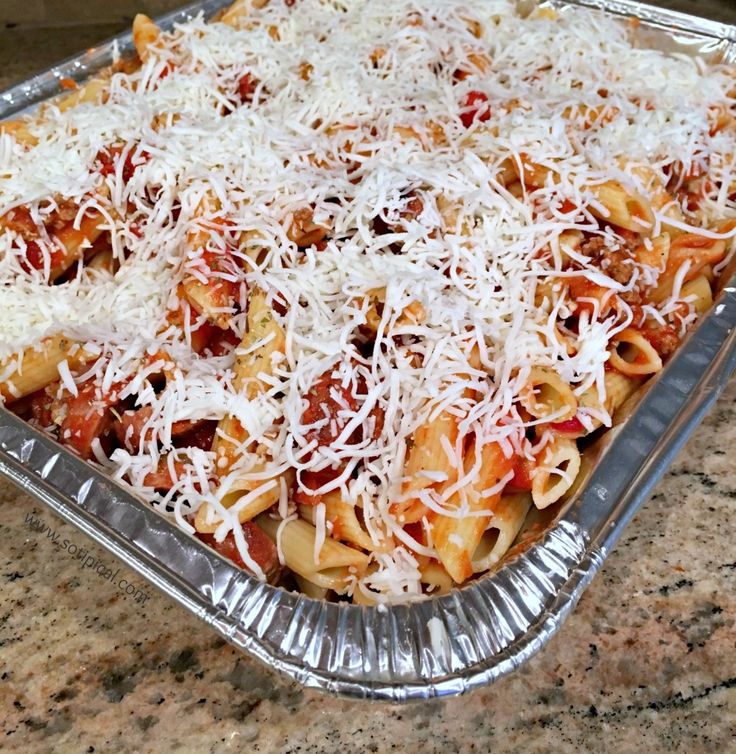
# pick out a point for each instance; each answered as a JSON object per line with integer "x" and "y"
{"x": 338, "y": 85}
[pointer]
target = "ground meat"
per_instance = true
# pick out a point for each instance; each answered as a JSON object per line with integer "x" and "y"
{"x": 19, "y": 220}
{"x": 634, "y": 297}
{"x": 617, "y": 262}
{"x": 64, "y": 213}
{"x": 664, "y": 338}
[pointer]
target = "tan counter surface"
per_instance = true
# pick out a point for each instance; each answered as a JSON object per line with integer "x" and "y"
{"x": 646, "y": 663}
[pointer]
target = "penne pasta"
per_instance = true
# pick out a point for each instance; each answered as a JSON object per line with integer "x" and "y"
{"x": 633, "y": 355}
{"x": 207, "y": 521}
{"x": 311, "y": 589}
{"x": 74, "y": 242}
{"x": 656, "y": 253}
{"x": 262, "y": 344}
{"x": 532, "y": 174}
{"x": 102, "y": 261}
{"x": 334, "y": 566}
{"x": 93, "y": 91}
{"x": 428, "y": 464}
{"x": 698, "y": 289}
{"x": 212, "y": 282}
{"x": 557, "y": 470}
{"x": 619, "y": 388}
{"x": 236, "y": 13}
{"x": 38, "y": 366}
{"x": 456, "y": 539}
{"x": 587, "y": 117}
{"x": 19, "y": 130}
{"x": 260, "y": 348}
{"x": 547, "y": 394}
{"x": 626, "y": 209}
{"x": 695, "y": 251}
{"x": 342, "y": 517}
{"x": 411, "y": 315}
{"x": 435, "y": 578}
{"x": 505, "y": 524}
{"x": 145, "y": 35}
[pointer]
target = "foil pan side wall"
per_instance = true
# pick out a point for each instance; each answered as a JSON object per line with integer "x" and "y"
{"x": 642, "y": 448}
{"x": 437, "y": 647}
{"x": 671, "y": 21}
{"x": 43, "y": 86}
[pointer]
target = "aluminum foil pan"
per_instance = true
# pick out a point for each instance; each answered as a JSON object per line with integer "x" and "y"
{"x": 440, "y": 646}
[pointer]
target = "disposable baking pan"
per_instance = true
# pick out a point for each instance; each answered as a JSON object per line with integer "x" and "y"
{"x": 434, "y": 647}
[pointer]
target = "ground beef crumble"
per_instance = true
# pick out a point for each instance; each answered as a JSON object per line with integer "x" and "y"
{"x": 664, "y": 339}
{"x": 617, "y": 263}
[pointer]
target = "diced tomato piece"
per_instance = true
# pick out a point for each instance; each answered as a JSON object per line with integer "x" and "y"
{"x": 224, "y": 279}
{"x": 199, "y": 434}
{"x": 129, "y": 428}
{"x": 566, "y": 206}
{"x": 88, "y": 418}
{"x": 161, "y": 479}
{"x": 202, "y": 335}
{"x": 107, "y": 161}
{"x": 378, "y": 415}
{"x": 475, "y": 106}
{"x": 300, "y": 497}
{"x": 221, "y": 262}
{"x": 326, "y": 399}
{"x": 247, "y": 84}
{"x": 187, "y": 434}
{"x": 278, "y": 304}
{"x": 34, "y": 256}
{"x": 40, "y": 404}
{"x": 260, "y": 548}
{"x": 522, "y": 479}
{"x": 411, "y": 211}
{"x": 313, "y": 480}
{"x": 416, "y": 531}
{"x": 413, "y": 208}
{"x": 571, "y": 426}
{"x": 33, "y": 259}
{"x": 129, "y": 167}
{"x": 223, "y": 342}
{"x": 19, "y": 220}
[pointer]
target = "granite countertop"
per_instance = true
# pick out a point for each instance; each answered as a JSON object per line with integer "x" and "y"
{"x": 646, "y": 662}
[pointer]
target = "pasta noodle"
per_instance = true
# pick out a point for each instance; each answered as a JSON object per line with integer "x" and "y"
{"x": 626, "y": 209}
{"x": 558, "y": 468}
{"x": 145, "y": 35}
{"x": 508, "y": 517}
{"x": 456, "y": 539}
{"x": 334, "y": 565}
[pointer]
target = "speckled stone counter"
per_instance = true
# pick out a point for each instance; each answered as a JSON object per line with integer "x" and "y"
{"x": 646, "y": 663}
